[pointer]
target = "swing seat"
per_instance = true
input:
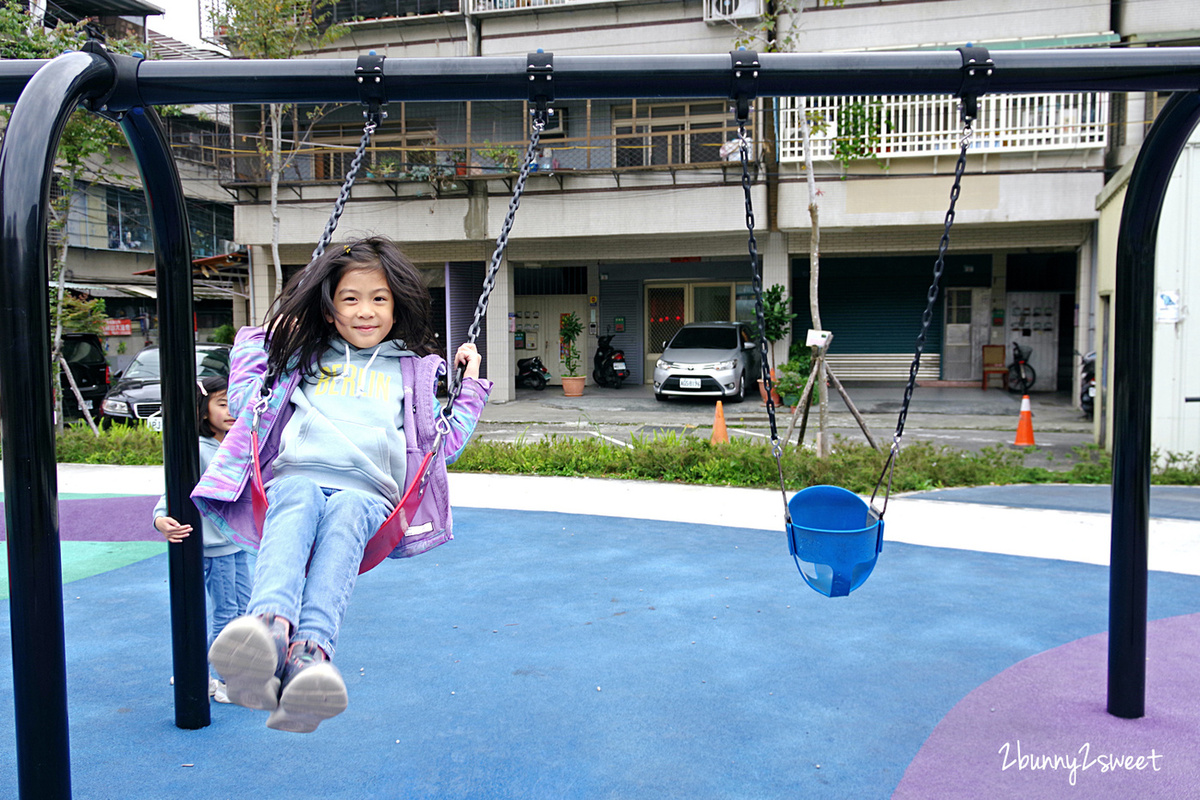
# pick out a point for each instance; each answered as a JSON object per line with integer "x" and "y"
{"x": 834, "y": 537}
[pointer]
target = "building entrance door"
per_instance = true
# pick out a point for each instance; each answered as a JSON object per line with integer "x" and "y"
{"x": 966, "y": 331}
{"x": 670, "y": 306}
{"x": 536, "y": 334}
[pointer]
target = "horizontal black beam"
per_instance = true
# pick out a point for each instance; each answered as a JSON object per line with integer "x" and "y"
{"x": 650, "y": 76}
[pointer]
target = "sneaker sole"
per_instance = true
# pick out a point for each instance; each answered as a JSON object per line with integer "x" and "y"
{"x": 246, "y": 657}
{"x": 310, "y": 698}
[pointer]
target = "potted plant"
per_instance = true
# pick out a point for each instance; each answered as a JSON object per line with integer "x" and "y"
{"x": 777, "y": 319}
{"x": 569, "y": 328}
{"x": 505, "y": 157}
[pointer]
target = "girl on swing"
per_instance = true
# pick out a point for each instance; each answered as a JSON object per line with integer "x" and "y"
{"x": 346, "y": 418}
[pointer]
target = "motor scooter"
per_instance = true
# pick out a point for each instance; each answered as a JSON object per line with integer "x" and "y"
{"x": 532, "y": 374}
{"x": 1087, "y": 384}
{"x": 609, "y": 364}
{"x": 1020, "y": 374}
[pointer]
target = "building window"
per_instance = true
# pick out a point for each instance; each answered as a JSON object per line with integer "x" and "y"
{"x": 193, "y": 140}
{"x": 648, "y": 135}
{"x": 958, "y": 306}
{"x": 211, "y": 227}
{"x": 128, "y": 220}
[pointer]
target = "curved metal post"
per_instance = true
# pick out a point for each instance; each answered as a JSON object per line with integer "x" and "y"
{"x": 173, "y": 271}
{"x": 30, "y": 476}
{"x": 1133, "y": 354}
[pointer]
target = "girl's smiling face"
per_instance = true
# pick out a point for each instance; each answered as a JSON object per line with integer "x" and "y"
{"x": 363, "y": 308}
{"x": 219, "y": 418}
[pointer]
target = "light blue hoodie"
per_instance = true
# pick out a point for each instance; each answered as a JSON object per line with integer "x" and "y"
{"x": 347, "y": 431}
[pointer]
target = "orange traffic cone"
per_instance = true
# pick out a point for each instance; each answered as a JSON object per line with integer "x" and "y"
{"x": 720, "y": 434}
{"x": 1025, "y": 425}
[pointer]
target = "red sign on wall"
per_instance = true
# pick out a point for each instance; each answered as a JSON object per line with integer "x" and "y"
{"x": 117, "y": 327}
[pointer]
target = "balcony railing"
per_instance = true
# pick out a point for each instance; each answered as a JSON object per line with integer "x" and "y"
{"x": 442, "y": 164}
{"x": 902, "y": 126}
{"x": 486, "y": 6}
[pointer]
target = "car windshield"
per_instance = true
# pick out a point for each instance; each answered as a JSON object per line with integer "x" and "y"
{"x": 705, "y": 339}
{"x": 208, "y": 362}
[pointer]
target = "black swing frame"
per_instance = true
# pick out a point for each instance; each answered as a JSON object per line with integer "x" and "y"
{"x": 127, "y": 89}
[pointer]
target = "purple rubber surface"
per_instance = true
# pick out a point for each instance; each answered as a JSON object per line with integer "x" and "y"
{"x": 103, "y": 519}
{"x": 1052, "y": 706}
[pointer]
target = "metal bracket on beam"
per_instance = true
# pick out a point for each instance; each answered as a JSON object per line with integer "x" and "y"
{"x": 123, "y": 94}
{"x": 977, "y": 69}
{"x": 744, "y": 88}
{"x": 540, "y": 68}
{"x": 372, "y": 90}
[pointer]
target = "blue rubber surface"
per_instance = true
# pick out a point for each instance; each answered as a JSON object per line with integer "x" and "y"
{"x": 565, "y": 656}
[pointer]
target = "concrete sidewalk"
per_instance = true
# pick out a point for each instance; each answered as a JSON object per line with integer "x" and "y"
{"x": 879, "y": 403}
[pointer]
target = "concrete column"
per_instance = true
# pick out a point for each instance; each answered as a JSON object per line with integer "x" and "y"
{"x": 262, "y": 279}
{"x": 500, "y": 354}
{"x": 777, "y": 269}
{"x": 1084, "y": 305}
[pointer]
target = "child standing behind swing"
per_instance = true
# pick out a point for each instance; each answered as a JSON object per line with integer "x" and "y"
{"x": 226, "y": 566}
{"x": 348, "y": 413}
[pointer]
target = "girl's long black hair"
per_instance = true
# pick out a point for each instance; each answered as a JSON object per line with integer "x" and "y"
{"x": 205, "y": 387}
{"x": 299, "y": 324}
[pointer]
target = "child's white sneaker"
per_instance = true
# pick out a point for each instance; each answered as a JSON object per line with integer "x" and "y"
{"x": 216, "y": 690}
{"x": 313, "y": 690}
{"x": 249, "y": 655}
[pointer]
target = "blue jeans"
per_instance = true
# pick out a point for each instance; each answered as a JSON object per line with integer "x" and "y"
{"x": 227, "y": 581}
{"x": 325, "y": 529}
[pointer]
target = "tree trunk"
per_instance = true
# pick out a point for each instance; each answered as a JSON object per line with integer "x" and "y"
{"x": 814, "y": 305}
{"x": 57, "y": 267}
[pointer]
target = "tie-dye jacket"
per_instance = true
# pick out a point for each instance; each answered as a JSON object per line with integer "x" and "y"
{"x": 223, "y": 493}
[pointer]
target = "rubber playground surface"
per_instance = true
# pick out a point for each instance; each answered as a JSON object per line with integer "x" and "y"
{"x": 662, "y": 645}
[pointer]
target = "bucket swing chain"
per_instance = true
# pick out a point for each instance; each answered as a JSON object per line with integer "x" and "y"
{"x": 977, "y": 69}
{"x": 745, "y": 88}
{"x": 540, "y": 67}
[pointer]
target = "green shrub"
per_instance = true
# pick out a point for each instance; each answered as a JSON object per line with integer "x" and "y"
{"x": 686, "y": 459}
{"x": 119, "y": 444}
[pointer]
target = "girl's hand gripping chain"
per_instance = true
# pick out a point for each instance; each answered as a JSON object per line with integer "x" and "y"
{"x": 468, "y": 355}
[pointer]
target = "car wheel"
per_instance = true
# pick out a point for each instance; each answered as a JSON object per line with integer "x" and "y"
{"x": 659, "y": 396}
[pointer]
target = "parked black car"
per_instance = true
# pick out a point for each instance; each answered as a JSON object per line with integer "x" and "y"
{"x": 85, "y": 355}
{"x": 137, "y": 393}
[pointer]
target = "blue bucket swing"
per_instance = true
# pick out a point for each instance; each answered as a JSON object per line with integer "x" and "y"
{"x": 834, "y": 536}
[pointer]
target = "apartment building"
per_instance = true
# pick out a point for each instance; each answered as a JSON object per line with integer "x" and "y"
{"x": 110, "y": 251}
{"x": 635, "y": 221}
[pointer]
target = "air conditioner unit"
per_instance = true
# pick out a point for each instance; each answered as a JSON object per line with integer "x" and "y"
{"x": 723, "y": 10}
{"x": 226, "y": 246}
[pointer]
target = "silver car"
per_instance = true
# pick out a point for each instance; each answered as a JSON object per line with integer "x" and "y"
{"x": 708, "y": 359}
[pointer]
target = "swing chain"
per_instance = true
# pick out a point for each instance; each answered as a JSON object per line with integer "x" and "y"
{"x": 970, "y": 106}
{"x": 373, "y": 121}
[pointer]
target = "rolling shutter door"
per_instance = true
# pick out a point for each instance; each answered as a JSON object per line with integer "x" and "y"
{"x": 464, "y": 282}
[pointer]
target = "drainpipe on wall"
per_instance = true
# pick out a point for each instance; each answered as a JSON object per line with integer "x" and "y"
{"x": 474, "y": 45}
{"x": 770, "y": 149}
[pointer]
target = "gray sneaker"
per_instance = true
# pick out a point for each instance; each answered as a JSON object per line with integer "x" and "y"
{"x": 249, "y": 655}
{"x": 313, "y": 690}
